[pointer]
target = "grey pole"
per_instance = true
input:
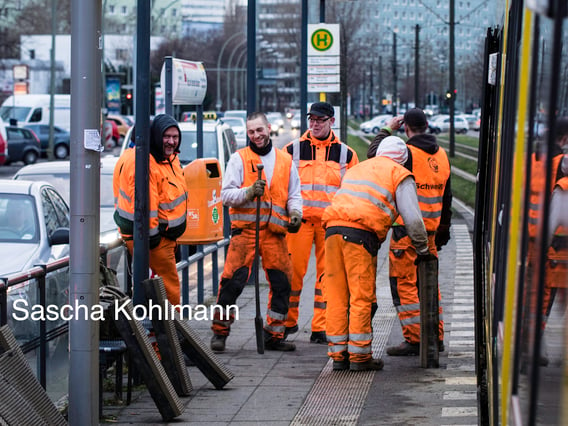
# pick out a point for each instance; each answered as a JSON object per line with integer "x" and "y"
{"x": 417, "y": 99}
{"x": 231, "y": 68}
{"x": 168, "y": 62}
{"x": 239, "y": 64}
{"x": 141, "y": 256}
{"x": 251, "y": 56}
{"x": 85, "y": 228}
{"x": 52, "y": 79}
{"x": 218, "y": 102}
{"x": 394, "y": 74}
{"x": 452, "y": 79}
{"x": 304, "y": 67}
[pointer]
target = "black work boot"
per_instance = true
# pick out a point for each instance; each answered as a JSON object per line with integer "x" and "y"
{"x": 279, "y": 345}
{"x": 404, "y": 349}
{"x": 370, "y": 365}
{"x": 290, "y": 330}
{"x": 218, "y": 343}
{"x": 343, "y": 364}
{"x": 318, "y": 337}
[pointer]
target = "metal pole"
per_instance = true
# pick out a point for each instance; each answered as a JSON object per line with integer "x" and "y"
{"x": 229, "y": 69}
{"x": 141, "y": 261}
{"x": 168, "y": 62}
{"x": 52, "y": 79}
{"x": 322, "y": 11}
{"x": 218, "y": 103}
{"x": 251, "y": 56}
{"x": 394, "y": 75}
{"x": 304, "y": 67}
{"x": 371, "y": 95}
{"x": 452, "y": 79}
{"x": 84, "y": 238}
{"x": 417, "y": 101}
{"x": 239, "y": 64}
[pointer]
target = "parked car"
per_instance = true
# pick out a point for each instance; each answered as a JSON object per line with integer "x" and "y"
{"x": 241, "y": 113}
{"x": 276, "y": 121}
{"x": 218, "y": 142}
{"x": 23, "y": 145}
{"x": 239, "y": 128}
{"x": 442, "y": 124}
{"x": 61, "y": 139}
{"x": 374, "y": 125}
{"x": 58, "y": 174}
{"x": 123, "y": 123}
{"x": 34, "y": 230}
{"x": 3, "y": 145}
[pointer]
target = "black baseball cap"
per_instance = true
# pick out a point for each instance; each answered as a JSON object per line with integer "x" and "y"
{"x": 321, "y": 109}
{"x": 415, "y": 118}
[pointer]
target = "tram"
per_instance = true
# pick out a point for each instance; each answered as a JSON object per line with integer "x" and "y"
{"x": 520, "y": 233}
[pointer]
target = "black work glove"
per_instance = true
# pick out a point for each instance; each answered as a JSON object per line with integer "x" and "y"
{"x": 255, "y": 190}
{"x": 295, "y": 222}
{"x": 424, "y": 258}
{"x": 442, "y": 236}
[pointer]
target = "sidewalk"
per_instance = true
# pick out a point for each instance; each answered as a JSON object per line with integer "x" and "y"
{"x": 300, "y": 388}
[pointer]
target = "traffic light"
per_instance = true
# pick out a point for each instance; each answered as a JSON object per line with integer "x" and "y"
{"x": 127, "y": 100}
{"x": 448, "y": 95}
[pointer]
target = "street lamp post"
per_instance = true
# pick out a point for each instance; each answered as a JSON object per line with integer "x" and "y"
{"x": 394, "y": 74}
{"x": 229, "y": 65}
{"x": 239, "y": 65}
{"x": 218, "y": 101}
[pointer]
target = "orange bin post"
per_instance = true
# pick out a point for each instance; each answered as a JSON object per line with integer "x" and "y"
{"x": 204, "y": 207}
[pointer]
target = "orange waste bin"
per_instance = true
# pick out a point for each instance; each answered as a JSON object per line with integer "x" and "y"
{"x": 204, "y": 207}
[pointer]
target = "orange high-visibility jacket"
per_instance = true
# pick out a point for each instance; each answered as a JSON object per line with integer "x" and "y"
{"x": 431, "y": 172}
{"x": 538, "y": 179}
{"x": 366, "y": 199}
{"x": 321, "y": 165}
{"x": 273, "y": 203}
{"x": 167, "y": 198}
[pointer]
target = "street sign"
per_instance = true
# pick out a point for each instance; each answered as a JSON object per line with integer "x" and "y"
{"x": 323, "y": 40}
{"x": 323, "y": 58}
{"x": 189, "y": 82}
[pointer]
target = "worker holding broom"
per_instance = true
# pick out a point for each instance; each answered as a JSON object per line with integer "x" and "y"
{"x": 280, "y": 211}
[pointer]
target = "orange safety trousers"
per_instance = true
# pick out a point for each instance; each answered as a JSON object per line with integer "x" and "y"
{"x": 300, "y": 248}
{"x": 404, "y": 287}
{"x": 350, "y": 288}
{"x": 556, "y": 271}
{"x": 163, "y": 263}
{"x": 238, "y": 267}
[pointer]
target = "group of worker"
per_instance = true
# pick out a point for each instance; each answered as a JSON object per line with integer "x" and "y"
{"x": 313, "y": 191}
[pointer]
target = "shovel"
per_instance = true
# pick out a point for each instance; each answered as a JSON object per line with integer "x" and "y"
{"x": 258, "y": 324}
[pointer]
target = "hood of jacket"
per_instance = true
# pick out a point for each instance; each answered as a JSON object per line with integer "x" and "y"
{"x": 424, "y": 141}
{"x": 159, "y": 125}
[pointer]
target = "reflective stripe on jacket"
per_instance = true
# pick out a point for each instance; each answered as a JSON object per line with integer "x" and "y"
{"x": 538, "y": 179}
{"x": 273, "y": 203}
{"x": 431, "y": 172}
{"x": 366, "y": 199}
{"x": 321, "y": 165}
{"x": 167, "y": 198}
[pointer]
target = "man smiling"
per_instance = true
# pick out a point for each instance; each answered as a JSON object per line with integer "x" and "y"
{"x": 280, "y": 212}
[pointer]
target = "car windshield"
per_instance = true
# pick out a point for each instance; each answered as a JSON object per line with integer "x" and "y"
{"x": 19, "y": 113}
{"x": 188, "y": 146}
{"x": 233, "y": 122}
{"x": 18, "y": 219}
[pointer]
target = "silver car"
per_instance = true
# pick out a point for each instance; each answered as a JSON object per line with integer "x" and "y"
{"x": 34, "y": 230}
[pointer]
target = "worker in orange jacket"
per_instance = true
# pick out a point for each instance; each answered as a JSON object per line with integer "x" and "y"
{"x": 321, "y": 159}
{"x": 280, "y": 212}
{"x": 431, "y": 168}
{"x": 167, "y": 200}
{"x": 371, "y": 197}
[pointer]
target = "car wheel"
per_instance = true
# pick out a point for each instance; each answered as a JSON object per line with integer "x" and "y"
{"x": 61, "y": 151}
{"x": 376, "y": 130}
{"x": 30, "y": 157}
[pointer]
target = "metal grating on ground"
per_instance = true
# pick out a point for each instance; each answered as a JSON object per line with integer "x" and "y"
{"x": 323, "y": 407}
